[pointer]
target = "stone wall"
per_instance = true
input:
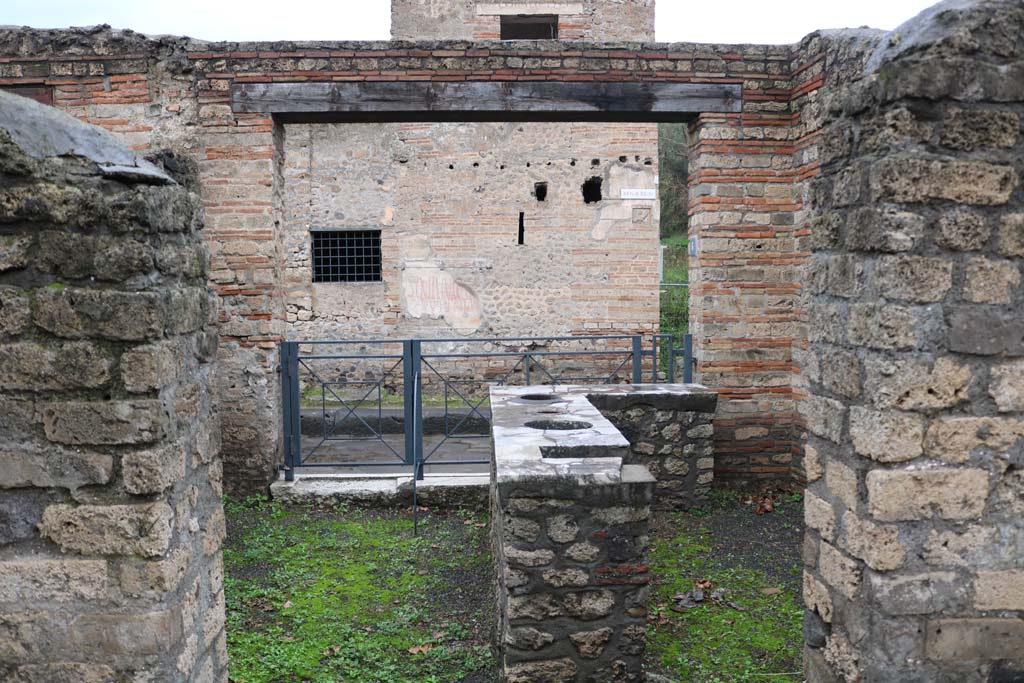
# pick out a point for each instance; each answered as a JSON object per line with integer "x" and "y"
{"x": 916, "y": 454}
{"x": 669, "y": 429}
{"x": 569, "y": 526}
{"x": 110, "y": 515}
{"x": 592, "y": 20}
{"x": 447, "y": 198}
{"x": 176, "y": 93}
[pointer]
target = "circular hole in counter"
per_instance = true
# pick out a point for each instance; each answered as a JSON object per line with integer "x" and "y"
{"x": 559, "y": 425}
{"x": 540, "y": 397}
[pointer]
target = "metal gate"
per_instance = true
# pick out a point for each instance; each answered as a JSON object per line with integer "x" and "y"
{"x": 360, "y": 404}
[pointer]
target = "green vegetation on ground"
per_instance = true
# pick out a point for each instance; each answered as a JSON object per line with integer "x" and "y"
{"x": 350, "y": 596}
{"x": 751, "y": 632}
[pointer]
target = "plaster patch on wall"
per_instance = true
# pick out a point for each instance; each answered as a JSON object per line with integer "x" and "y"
{"x": 429, "y": 292}
{"x": 614, "y": 211}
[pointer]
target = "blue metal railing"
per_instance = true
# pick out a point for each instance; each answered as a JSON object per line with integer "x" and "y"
{"x": 533, "y": 363}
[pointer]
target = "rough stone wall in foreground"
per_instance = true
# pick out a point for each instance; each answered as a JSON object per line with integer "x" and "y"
{"x": 916, "y": 455}
{"x": 110, "y": 484}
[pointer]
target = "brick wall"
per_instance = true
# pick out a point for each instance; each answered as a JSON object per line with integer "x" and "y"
{"x": 913, "y": 554}
{"x": 746, "y": 201}
{"x": 110, "y": 515}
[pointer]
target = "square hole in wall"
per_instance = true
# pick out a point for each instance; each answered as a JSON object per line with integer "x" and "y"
{"x": 529, "y": 26}
{"x": 346, "y": 256}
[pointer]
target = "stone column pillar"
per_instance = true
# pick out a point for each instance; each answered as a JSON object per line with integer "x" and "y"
{"x": 913, "y": 553}
{"x": 110, "y": 481}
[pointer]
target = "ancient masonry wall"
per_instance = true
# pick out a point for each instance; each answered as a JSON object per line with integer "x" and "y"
{"x": 175, "y": 93}
{"x": 590, "y": 20}
{"x": 110, "y": 514}
{"x": 916, "y": 453}
{"x": 448, "y": 198}
{"x": 670, "y": 433}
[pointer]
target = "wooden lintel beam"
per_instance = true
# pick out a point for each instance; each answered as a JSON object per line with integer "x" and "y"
{"x": 592, "y": 99}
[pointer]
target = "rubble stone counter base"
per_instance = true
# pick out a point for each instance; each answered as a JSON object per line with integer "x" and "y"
{"x": 110, "y": 484}
{"x": 570, "y": 529}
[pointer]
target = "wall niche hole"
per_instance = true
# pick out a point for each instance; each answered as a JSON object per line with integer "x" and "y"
{"x": 522, "y": 228}
{"x": 540, "y": 191}
{"x": 592, "y": 190}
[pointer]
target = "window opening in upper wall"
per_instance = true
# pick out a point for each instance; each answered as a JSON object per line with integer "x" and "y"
{"x": 346, "y": 256}
{"x": 529, "y": 27}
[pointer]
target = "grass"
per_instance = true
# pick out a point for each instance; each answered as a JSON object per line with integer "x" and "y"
{"x": 716, "y": 642}
{"x": 675, "y": 301}
{"x": 350, "y": 596}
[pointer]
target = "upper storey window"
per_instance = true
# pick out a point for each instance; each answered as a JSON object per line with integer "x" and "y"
{"x": 529, "y": 27}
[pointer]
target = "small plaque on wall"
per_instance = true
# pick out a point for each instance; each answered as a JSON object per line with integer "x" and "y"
{"x": 638, "y": 194}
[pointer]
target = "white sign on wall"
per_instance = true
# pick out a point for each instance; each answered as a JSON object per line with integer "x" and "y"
{"x": 638, "y": 194}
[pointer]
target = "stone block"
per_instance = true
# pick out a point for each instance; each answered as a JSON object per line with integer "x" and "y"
{"x": 31, "y": 366}
{"x": 562, "y": 529}
{"x": 46, "y": 467}
{"x": 838, "y": 570}
{"x": 39, "y": 580}
{"x": 104, "y": 422}
{"x": 923, "y": 180}
{"x": 528, "y": 638}
{"x": 985, "y": 331}
{"x": 77, "y": 313}
{"x": 824, "y": 417}
{"x": 885, "y": 230}
{"x": 842, "y": 483}
{"x": 908, "y": 495}
{"x": 819, "y": 514}
{"x": 591, "y": 644}
{"x": 878, "y": 545}
{"x": 954, "y": 439}
{"x": 812, "y": 464}
{"x": 535, "y": 607}
{"x": 561, "y": 578}
{"x": 912, "y": 594}
{"x": 15, "y": 311}
{"x": 1011, "y": 235}
{"x": 521, "y": 557}
{"x": 886, "y": 436}
{"x": 961, "y": 549}
{"x": 965, "y": 640}
{"x": 64, "y": 672}
{"x": 962, "y": 230}
{"x": 840, "y": 371}
{"x": 151, "y": 367}
{"x": 583, "y": 552}
{"x": 15, "y": 251}
{"x": 154, "y": 579}
{"x": 916, "y": 385}
{"x": 143, "y": 529}
{"x": 999, "y": 590}
{"x": 987, "y": 281}
{"x": 542, "y": 671}
{"x": 971, "y": 129}
{"x": 588, "y": 605}
{"x": 155, "y": 469}
{"x": 1006, "y": 386}
{"x": 20, "y": 512}
{"x": 913, "y": 278}
{"x": 882, "y": 327}
{"x": 816, "y": 597}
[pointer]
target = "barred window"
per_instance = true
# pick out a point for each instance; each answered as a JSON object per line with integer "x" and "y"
{"x": 529, "y": 27}
{"x": 346, "y": 256}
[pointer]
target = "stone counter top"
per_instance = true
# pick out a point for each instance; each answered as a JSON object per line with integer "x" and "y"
{"x": 570, "y": 440}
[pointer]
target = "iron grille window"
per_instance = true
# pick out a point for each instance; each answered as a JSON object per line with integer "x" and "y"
{"x": 346, "y": 256}
{"x": 529, "y": 27}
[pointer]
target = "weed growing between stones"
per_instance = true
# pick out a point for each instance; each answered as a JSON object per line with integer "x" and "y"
{"x": 751, "y": 630}
{"x": 350, "y": 596}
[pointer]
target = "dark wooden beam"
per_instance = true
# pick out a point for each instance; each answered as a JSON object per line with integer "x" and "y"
{"x": 485, "y": 100}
